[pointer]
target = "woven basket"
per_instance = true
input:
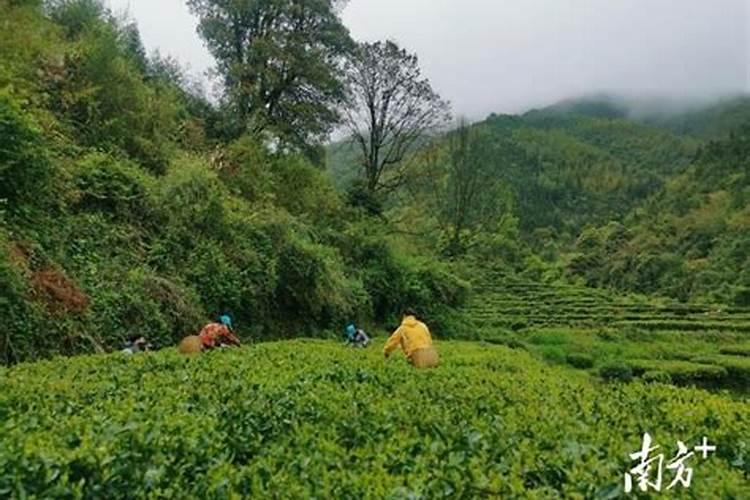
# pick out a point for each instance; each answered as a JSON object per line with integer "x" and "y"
{"x": 191, "y": 345}
{"x": 425, "y": 358}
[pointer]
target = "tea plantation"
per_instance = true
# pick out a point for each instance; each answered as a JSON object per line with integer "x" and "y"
{"x": 511, "y": 302}
{"x": 314, "y": 419}
{"x": 616, "y": 336}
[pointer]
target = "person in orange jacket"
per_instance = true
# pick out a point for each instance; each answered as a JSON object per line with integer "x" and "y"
{"x": 415, "y": 340}
{"x": 219, "y": 333}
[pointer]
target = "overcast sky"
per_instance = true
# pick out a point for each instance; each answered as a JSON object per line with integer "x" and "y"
{"x": 510, "y": 55}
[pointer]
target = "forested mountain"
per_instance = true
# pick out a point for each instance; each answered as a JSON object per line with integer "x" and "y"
{"x": 638, "y": 196}
{"x": 690, "y": 239}
{"x": 702, "y": 119}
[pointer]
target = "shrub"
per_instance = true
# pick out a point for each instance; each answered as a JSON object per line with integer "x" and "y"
{"x": 137, "y": 430}
{"x": 616, "y": 371}
{"x": 25, "y": 169}
{"x": 657, "y": 376}
{"x": 361, "y": 198}
{"x": 22, "y": 319}
{"x": 112, "y": 186}
{"x": 395, "y": 282}
{"x": 245, "y": 167}
{"x": 683, "y": 372}
{"x": 548, "y": 338}
{"x": 304, "y": 190}
{"x": 741, "y": 296}
{"x": 505, "y": 338}
{"x": 553, "y": 353}
{"x": 178, "y": 303}
{"x": 312, "y": 287}
{"x": 578, "y": 360}
{"x": 103, "y": 93}
{"x": 736, "y": 350}
{"x": 518, "y": 324}
{"x": 217, "y": 280}
{"x": 737, "y": 368}
{"x": 192, "y": 200}
{"x": 140, "y": 302}
{"x": 514, "y": 343}
{"x": 606, "y": 335}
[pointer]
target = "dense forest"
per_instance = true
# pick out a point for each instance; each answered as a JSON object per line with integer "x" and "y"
{"x": 131, "y": 203}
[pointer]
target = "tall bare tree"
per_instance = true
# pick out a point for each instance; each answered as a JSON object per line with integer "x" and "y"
{"x": 464, "y": 181}
{"x": 391, "y": 111}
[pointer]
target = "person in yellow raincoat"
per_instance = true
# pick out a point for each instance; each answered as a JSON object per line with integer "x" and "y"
{"x": 415, "y": 340}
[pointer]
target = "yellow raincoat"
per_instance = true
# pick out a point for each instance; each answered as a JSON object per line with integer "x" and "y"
{"x": 412, "y": 336}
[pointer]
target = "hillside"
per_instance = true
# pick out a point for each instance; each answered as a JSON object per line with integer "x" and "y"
{"x": 128, "y": 206}
{"x": 639, "y": 196}
{"x": 569, "y": 164}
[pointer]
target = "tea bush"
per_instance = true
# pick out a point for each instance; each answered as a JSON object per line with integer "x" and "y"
{"x": 305, "y": 419}
{"x": 616, "y": 370}
{"x": 579, "y": 360}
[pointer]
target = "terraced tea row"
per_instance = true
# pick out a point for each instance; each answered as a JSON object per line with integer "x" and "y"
{"x": 503, "y": 301}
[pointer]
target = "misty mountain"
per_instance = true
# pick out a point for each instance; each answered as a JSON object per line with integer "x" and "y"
{"x": 707, "y": 118}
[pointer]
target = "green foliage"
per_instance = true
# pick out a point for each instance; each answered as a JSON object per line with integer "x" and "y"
{"x": 315, "y": 419}
{"x": 688, "y": 241}
{"x": 737, "y": 368}
{"x": 616, "y": 370}
{"x": 279, "y": 61}
{"x": 579, "y": 360}
{"x": 683, "y": 372}
{"x": 468, "y": 200}
{"x": 25, "y": 168}
{"x": 603, "y": 199}
{"x": 737, "y": 350}
{"x": 312, "y": 285}
{"x": 99, "y": 89}
{"x": 657, "y": 376}
{"x": 244, "y": 167}
{"x": 116, "y": 183}
{"x": 304, "y": 190}
{"x": 22, "y": 318}
{"x": 396, "y": 281}
{"x": 192, "y": 199}
{"x": 146, "y": 304}
{"x": 553, "y": 354}
{"x": 112, "y": 186}
{"x": 359, "y": 197}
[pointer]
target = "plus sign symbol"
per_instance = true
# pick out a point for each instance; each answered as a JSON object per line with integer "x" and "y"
{"x": 705, "y": 448}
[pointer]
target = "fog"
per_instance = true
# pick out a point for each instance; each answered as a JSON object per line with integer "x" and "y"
{"x": 507, "y": 56}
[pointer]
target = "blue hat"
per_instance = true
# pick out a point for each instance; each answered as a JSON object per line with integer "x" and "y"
{"x": 351, "y": 330}
{"x": 225, "y": 320}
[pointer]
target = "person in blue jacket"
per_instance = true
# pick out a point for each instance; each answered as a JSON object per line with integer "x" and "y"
{"x": 356, "y": 336}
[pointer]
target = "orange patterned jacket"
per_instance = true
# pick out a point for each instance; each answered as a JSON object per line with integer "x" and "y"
{"x": 213, "y": 333}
